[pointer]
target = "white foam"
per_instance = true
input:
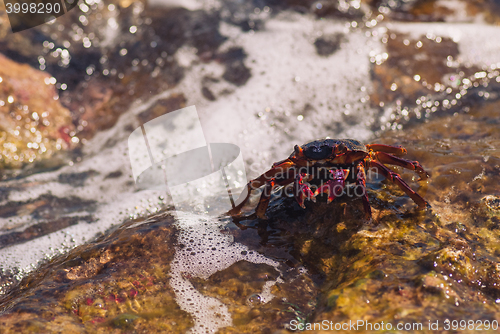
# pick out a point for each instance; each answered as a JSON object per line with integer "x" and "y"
{"x": 277, "y": 57}
{"x": 283, "y": 52}
{"x": 207, "y": 251}
{"x": 188, "y": 4}
{"x": 116, "y": 202}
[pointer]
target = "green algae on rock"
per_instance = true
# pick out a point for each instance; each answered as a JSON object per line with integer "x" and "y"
{"x": 240, "y": 287}
{"x": 128, "y": 280}
{"x": 438, "y": 265}
{"x": 405, "y": 266}
{"x": 118, "y": 283}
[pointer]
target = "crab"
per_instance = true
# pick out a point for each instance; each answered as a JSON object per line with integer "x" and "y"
{"x": 332, "y": 166}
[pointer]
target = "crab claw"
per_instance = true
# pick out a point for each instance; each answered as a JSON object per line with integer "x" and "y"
{"x": 302, "y": 190}
{"x": 335, "y": 186}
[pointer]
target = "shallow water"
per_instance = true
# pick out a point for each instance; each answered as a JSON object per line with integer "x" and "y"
{"x": 94, "y": 253}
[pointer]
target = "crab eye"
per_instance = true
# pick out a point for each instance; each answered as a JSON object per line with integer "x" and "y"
{"x": 298, "y": 150}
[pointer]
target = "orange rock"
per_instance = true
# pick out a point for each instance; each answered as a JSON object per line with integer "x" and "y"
{"x": 33, "y": 123}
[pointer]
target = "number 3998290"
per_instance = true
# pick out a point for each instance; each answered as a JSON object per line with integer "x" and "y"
{"x": 33, "y": 8}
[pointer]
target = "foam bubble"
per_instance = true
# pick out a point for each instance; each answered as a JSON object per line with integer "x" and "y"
{"x": 204, "y": 252}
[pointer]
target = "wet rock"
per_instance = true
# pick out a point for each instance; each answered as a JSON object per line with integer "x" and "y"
{"x": 119, "y": 282}
{"x": 417, "y": 78}
{"x": 123, "y": 281}
{"x": 125, "y": 321}
{"x": 435, "y": 11}
{"x": 114, "y": 175}
{"x": 413, "y": 67}
{"x": 100, "y": 75}
{"x": 337, "y": 9}
{"x": 207, "y": 93}
{"x": 236, "y": 72}
{"x": 406, "y": 264}
{"x": 240, "y": 287}
{"x": 76, "y": 179}
{"x": 456, "y": 242}
{"x": 419, "y": 10}
{"x": 4, "y": 28}
{"x": 492, "y": 202}
{"x": 328, "y": 45}
{"x": 33, "y": 123}
{"x": 37, "y": 230}
{"x": 163, "y": 106}
{"x": 215, "y": 87}
{"x": 46, "y": 206}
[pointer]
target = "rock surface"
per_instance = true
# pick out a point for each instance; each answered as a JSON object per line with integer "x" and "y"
{"x": 33, "y": 123}
{"x": 351, "y": 69}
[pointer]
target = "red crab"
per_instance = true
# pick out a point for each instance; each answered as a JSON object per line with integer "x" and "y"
{"x": 329, "y": 166}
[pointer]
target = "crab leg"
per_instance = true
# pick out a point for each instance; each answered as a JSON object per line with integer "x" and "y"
{"x": 264, "y": 199}
{"x": 246, "y": 195}
{"x": 395, "y": 178}
{"x": 280, "y": 169}
{"x": 408, "y": 164}
{"x": 302, "y": 190}
{"x": 266, "y": 196}
{"x": 335, "y": 186}
{"x": 397, "y": 150}
{"x": 361, "y": 182}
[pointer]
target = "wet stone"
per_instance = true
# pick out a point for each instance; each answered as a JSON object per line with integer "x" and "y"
{"x": 328, "y": 45}
{"x": 118, "y": 281}
{"x": 404, "y": 265}
{"x": 34, "y": 125}
{"x": 207, "y": 93}
{"x": 492, "y": 202}
{"x": 163, "y": 106}
{"x": 125, "y": 321}
{"x": 236, "y": 72}
{"x": 76, "y": 179}
{"x": 41, "y": 229}
{"x": 435, "y": 11}
{"x": 98, "y": 79}
{"x": 408, "y": 67}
